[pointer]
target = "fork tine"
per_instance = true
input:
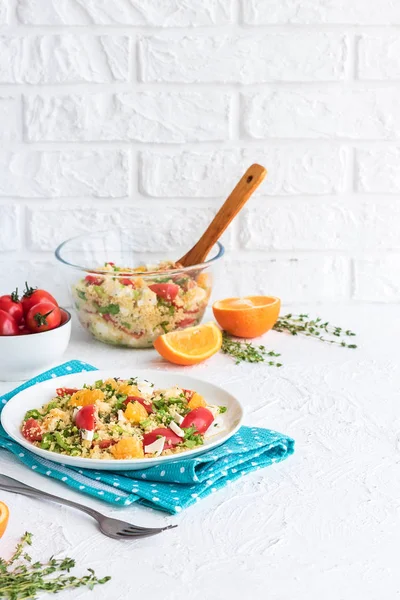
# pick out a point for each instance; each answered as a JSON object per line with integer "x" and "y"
{"x": 139, "y": 531}
{"x": 138, "y": 534}
{"x": 136, "y": 528}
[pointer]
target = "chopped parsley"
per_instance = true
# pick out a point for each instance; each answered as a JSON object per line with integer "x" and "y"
{"x": 110, "y": 309}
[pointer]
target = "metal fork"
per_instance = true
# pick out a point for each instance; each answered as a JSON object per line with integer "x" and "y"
{"x": 113, "y": 528}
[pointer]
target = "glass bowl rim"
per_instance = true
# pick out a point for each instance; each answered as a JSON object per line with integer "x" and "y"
{"x": 58, "y": 250}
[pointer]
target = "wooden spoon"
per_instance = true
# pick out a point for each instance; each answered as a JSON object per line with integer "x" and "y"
{"x": 228, "y": 211}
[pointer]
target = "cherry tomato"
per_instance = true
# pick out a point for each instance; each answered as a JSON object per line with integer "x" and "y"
{"x": 167, "y": 291}
{"x": 92, "y": 280}
{"x": 171, "y": 438}
{"x": 61, "y": 392}
{"x": 126, "y": 281}
{"x": 148, "y": 405}
{"x": 31, "y": 430}
{"x": 106, "y": 443}
{"x": 11, "y": 305}
{"x": 201, "y": 418}
{"x": 43, "y": 316}
{"x": 8, "y": 325}
{"x": 24, "y": 330}
{"x": 33, "y": 296}
{"x": 85, "y": 417}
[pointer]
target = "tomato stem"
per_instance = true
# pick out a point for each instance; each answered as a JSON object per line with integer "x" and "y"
{"x": 41, "y": 319}
{"x": 14, "y": 295}
{"x": 28, "y": 290}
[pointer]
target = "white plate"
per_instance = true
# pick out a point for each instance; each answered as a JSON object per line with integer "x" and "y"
{"x": 41, "y": 393}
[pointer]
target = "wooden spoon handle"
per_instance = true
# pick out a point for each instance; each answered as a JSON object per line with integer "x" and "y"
{"x": 228, "y": 211}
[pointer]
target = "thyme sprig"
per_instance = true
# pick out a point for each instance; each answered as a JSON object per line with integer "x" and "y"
{"x": 22, "y": 578}
{"x": 242, "y": 351}
{"x": 316, "y": 328}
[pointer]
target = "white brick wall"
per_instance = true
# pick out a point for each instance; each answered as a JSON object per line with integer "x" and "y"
{"x": 144, "y": 113}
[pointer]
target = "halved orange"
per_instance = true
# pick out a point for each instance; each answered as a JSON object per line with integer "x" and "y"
{"x": 4, "y": 514}
{"x": 247, "y": 317}
{"x": 190, "y": 346}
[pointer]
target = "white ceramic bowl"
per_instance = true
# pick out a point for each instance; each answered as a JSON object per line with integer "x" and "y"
{"x": 34, "y": 397}
{"x": 24, "y": 356}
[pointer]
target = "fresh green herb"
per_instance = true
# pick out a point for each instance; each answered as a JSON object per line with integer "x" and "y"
{"x": 120, "y": 403}
{"x": 164, "y": 326}
{"x": 126, "y": 325}
{"x": 192, "y": 438}
{"x": 222, "y": 409}
{"x": 247, "y": 352}
{"x": 33, "y": 414}
{"x": 165, "y": 304}
{"x": 293, "y": 324}
{"x": 99, "y": 291}
{"x": 22, "y": 578}
{"x": 47, "y": 440}
{"x": 317, "y": 328}
{"x": 111, "y": 309}
{"x": 99, "y": 383}
{"x": 81, "y": 294}
{"x": 145, "y": 423}
{"x": 61, "y": 441}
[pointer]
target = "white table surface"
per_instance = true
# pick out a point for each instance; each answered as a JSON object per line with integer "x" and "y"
{"x": 322, "y": 524}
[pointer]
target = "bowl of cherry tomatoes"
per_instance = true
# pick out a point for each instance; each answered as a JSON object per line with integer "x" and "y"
{"x": 34, "y": 333}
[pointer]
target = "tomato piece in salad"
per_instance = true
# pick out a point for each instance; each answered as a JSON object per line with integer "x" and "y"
{"x": 106, "y": 443}
{"x": 166, "y": 291}
{"x": 85, "y": 418}
{"x": 200, "y": 418}
{"x": 31, "y": 430}
{"x": 61, "y": 392}
{"x": 171, "y": 439}
{"x": 93, "y": 280}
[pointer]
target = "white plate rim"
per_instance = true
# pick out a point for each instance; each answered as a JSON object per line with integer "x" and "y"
{"x": 9, "y": 423}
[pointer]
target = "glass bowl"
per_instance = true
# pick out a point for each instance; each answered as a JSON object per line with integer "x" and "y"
{"x": 123, "y": 297}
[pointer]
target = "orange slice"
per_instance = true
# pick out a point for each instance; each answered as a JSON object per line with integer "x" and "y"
{"x": 247, "y": 317}
{"x": 196, "y": 401}
{"x": 190, "y": 346}
{"x": 84, "y": 397}
{"x": 128, "y": 448}
{"x": 4, "y": 514}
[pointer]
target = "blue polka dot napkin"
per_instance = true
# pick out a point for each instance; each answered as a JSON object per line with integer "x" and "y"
{"x": 170, "y": 487}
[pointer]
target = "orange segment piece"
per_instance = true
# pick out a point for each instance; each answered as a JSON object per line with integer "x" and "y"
{"x": 190, "y": 346}
{"x": 247, "y": 317}
{"x": 128, "y": 448}
{"x": 129, "y": 390}
{"x": 84, "y": 397}
{"x": 4, "y": 514}
{"x": 196, "y": 401}
{"x": 135, "y": 412}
